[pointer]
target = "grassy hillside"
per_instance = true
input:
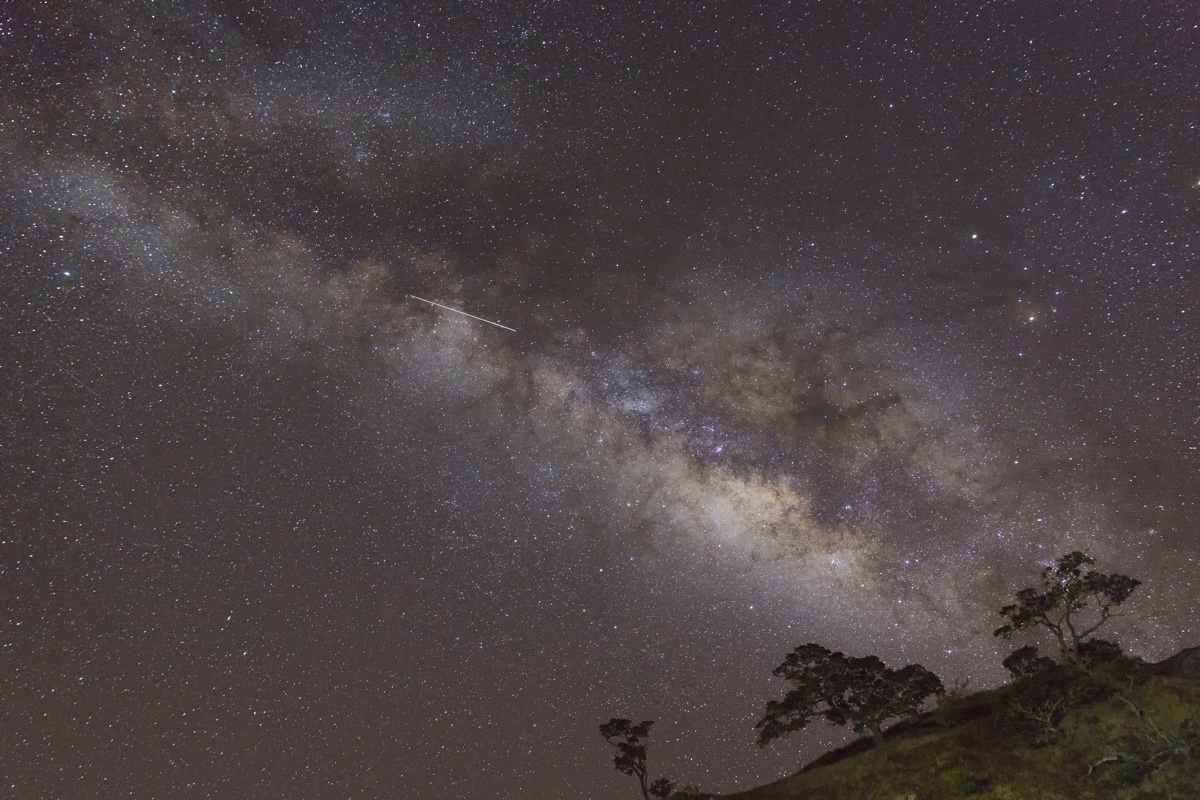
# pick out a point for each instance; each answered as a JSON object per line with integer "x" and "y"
{"x": 988, "y": 745}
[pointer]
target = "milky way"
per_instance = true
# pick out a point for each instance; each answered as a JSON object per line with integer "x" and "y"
{"x": 829, "y": 324}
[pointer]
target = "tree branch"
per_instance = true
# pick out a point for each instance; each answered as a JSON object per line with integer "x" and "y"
{"x": 1105, "y": 613}
{"x": 1105, "y": 760}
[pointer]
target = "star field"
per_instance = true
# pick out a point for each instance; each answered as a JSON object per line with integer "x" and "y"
{"x": 833, "y": 323}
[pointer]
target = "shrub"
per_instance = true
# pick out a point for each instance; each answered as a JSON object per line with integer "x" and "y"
{"x": 949, "y": 709}
{"x": 1026, "y": 661}
{"x": 1039, "y": 702}
{"x": 1095, "y": 652}
{"x": 960, "y": 782}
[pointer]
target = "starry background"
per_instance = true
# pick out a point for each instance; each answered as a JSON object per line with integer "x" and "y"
{"x": 834, "y": 323}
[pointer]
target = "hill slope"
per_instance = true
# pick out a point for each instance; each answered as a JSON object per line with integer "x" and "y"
{"x": 1143, "y": 720}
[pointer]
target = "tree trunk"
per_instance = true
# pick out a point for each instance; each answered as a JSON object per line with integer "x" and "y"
{"x": 1062, "y": 640}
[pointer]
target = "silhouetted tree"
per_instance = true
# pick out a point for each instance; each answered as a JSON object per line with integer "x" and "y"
{"x": 1066, "y": 591}
{"x": 1026, "y": 661}
{"x": 662, "y": 788}
{"x": 628, "y": 739}
{"x": 1097, "y": 651}
{"x": 861, "y": 691}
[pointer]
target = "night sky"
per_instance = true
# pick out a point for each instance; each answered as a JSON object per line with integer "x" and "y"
{"x": 833, "y": 322}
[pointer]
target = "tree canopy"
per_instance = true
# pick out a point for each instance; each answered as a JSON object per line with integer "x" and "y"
{"x": 863, "y": 692}
{"x": 1025, "y": 662}
{"x": 1065, "y": 592}
{"x": 629, "y": 741}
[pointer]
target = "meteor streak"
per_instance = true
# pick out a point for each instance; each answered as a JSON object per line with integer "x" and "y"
{"x": 78, "y": 380}
{"x": 465, "y": 314}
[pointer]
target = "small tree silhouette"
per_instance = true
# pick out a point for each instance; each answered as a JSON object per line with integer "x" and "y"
{"x": 630, "y": 759}
{"x": 1026, "y": 661}
{"x": 662, "y": 788}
